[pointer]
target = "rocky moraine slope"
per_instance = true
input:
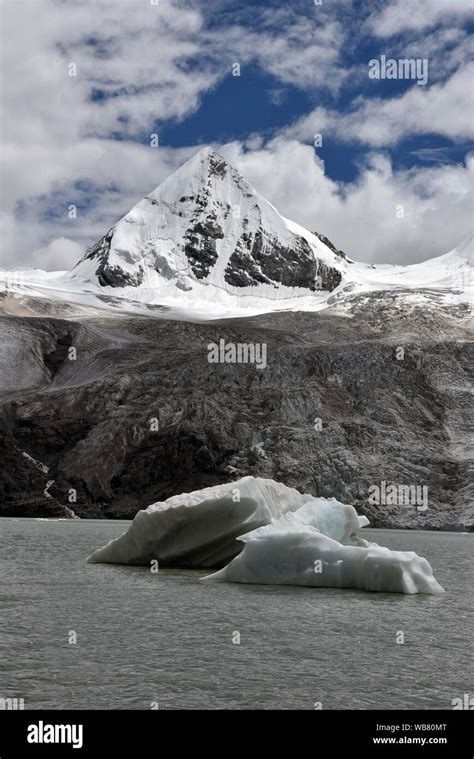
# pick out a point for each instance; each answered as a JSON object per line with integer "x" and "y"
{"x": 141, "y": 414}
{"x": 109, "y": 402}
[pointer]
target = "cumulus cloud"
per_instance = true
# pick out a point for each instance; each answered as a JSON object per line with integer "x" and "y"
{"x": 447, "y": 49}
{"x": 403, "y": 15}
{"x": 384, "y": 216}
{"x": 68, "y": 139}
{"x": 84, "y": 139}
{"x": 101, "y": 178}
{"x": 59, "y": 254}
{"x": 296, "y": 49}
{"x": 88, "y": 68}
{"x": 445, "y": 108}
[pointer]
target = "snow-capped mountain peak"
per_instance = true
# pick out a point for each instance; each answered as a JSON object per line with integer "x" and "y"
{"x": 206, "y": 224}
{"x": 204, "y": 244}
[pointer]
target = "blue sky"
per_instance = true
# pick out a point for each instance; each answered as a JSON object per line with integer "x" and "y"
{"x": 168, "y": 68}
{"x": 258, "y": 102}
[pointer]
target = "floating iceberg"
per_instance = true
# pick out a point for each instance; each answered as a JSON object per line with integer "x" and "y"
{"x": 270, "y": 534}
{"x": 199, "y": 529}
{"x": 315, "y": 546}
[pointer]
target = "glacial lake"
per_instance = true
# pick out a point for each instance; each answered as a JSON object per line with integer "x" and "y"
{"x": 166, "y": 639}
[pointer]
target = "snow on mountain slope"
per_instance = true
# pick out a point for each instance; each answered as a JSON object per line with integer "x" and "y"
{"x": 205, "y": 243}
{"x": 206, "y": 224}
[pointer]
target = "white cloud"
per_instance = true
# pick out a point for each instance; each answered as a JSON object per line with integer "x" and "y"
{"x": 57, "y": 139}
{"x": 134, "y": 52}
{"x": 403, "y": 15}
{"x": 447, "y": 49}
{"x": 113, "y": 176}
{"x": 57, "y": 255}
{"x": 54, "y": 136}
{"x": 444, "y": 109}
{"x": 304, "y": 53}
{"x": 362, "y": 217}
{"x": 155, "y": 63}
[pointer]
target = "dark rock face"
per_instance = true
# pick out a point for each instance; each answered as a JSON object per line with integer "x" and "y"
{"x": 26, "y": 489}
{"x": 261, "y": 259}
{"x": 243, "y": 269}
{"x": 331, "y": 246}
{"x": 107, "y": 275}
{"x": 141, "y": 414}
{"x": 115, "y": 276}
{"x": 217, "y": 165}
{"x": 200, "y": 244}
{"x": 100, "y": 251}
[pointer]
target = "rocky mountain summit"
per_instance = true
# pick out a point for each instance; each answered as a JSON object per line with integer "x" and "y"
{"x": 207, "y": 223}
{"x": 205, "y": 244}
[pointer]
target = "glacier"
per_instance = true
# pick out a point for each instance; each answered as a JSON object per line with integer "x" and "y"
{"x": 260, "y": 531}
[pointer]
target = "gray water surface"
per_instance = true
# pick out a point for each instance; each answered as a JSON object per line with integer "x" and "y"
{"x": 166, "y": 639}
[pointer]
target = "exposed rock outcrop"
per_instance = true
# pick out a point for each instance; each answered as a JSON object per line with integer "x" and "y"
{"x": 348, "y": 399}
